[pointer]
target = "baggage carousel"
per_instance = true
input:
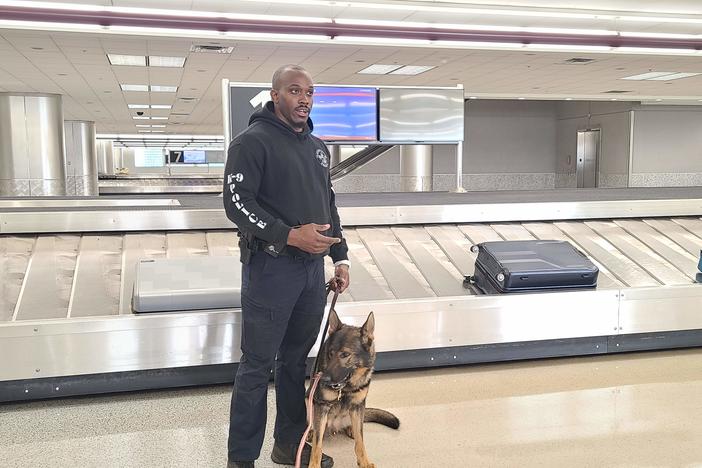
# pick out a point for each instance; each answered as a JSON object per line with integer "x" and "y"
{"x": 68, "y": 270}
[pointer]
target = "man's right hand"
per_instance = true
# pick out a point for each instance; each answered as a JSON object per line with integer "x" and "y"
{"x": 308, "y": 238}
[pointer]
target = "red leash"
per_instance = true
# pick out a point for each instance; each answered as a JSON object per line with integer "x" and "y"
{"x": 332, "y": 285}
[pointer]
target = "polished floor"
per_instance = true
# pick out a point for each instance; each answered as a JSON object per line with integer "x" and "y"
{"x": 634, "y": 410}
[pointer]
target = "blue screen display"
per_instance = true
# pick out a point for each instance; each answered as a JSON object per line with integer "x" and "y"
{"x": 345, "y": 113}
{"x": 194, "y": 157}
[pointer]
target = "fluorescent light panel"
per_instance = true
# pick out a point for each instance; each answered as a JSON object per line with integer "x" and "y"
{"x": 131, "y": 60}
{"x": 161, "y": 106}
{"x": 159, "y": 118}
{"x": 411, "y": 70}
{"x": 138, "y": 106}
{"x": 161, "y": 61}
{"x": 163, "y": 89}
{"x": 136, "y": 117}
{"x": 378, "y": 69}
{"x": 659, "y": 76}
{"x": 130, "y": 87}
{"x": 674, "y": 76}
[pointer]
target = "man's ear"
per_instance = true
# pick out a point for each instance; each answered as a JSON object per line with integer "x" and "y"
{"x": 334, "y": 322}
{"x": 274, "y": 96}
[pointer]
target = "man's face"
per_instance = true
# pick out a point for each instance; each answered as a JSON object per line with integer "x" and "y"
{"x": 293, "y": 99}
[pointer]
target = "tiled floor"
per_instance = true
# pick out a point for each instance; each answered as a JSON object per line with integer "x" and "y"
{"x": 635, "y": 410}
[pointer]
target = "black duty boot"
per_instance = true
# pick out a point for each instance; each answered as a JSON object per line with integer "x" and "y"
{"x": 240, "y": 464}
{"x": 284, "y": 454}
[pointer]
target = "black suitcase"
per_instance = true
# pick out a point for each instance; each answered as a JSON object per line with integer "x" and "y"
{"x": 519, "y": 266}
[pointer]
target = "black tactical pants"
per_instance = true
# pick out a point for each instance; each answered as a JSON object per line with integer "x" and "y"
{"x": 283, "y": 301}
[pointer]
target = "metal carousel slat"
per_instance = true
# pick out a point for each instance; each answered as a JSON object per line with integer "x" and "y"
{"x": 46, "y": 289}
{"x": 619, "y": 264}
{"x": 655, "y": 265}
{"x": 672, "y": 253}
{"x": 678, "y": 234}
{"x": 456, "y": 247}
{"x": 443, "y": 278}
{"x": 96, "y": 282}
{"x": 387, "y": 254}
{"x": 15, "y": 253}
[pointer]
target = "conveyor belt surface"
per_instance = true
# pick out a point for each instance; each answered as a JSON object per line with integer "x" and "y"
{"x": 93, "y": 275}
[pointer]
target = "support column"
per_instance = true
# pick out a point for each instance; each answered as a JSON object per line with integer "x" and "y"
{"x": 81, "y": 158}
{"x": 105, "y": 157}
{"x": 416, "y": 171}
{"x": 32, "y": 160}
{"x": 335, "y": 152}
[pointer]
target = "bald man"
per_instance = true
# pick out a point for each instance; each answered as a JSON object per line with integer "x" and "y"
{"x": 278, "y": 191}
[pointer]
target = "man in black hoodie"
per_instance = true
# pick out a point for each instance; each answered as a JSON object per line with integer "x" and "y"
{"x": 277, "y": 189}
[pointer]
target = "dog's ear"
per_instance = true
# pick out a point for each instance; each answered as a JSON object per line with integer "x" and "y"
{"x": 334, "y": 322}
{"x": 368, "y": 328}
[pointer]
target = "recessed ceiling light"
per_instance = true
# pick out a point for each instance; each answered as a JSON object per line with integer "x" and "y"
{"x": 164, "y": 89}
{"x": 158, "y": 126}
{"x": 131, "y": 60}
{"x": 378, "y": 69}
{"x": 659, "y": 76}
{"x": 144, "y": 131}
{"x": 674, "y": 76}
{"x": 160, "y": 61}
{"x": 157, "y": 131}
{"x": 411, "y": 70}
{"x": 161, "y": 106}
{"x": 473, "y": 97}
{"x": 143, "y": 126}
{"x": 140, "y": 118}
{"x": 138, "y": 106}
{"x": 131, "y": 87}
{"x": 159, "y": 118}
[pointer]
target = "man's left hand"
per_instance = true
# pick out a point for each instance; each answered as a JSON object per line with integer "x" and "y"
{"x": 341, "y": 273}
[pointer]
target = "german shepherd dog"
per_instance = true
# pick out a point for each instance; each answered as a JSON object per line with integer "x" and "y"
{"x": 346, "y": 362}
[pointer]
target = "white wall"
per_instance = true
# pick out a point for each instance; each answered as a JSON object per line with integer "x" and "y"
{"x": 667, "y": 149}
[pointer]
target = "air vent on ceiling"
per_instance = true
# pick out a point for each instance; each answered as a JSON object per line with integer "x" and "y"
{"x": 579, "y": 61}
{"x": 211, "y": 49}
{"x": 616, "y": 91}
{"x": 187, "y": 99}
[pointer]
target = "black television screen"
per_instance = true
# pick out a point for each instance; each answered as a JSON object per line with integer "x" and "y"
{"x": 345, "y": 113}
{"x": 194, "y": 157}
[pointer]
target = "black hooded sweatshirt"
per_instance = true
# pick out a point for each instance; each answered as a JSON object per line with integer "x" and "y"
{"x": 275, "y": 179}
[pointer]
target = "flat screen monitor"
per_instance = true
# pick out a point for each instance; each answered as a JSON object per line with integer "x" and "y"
{"x": 194, "y": 157}
{"x": 421, "y": 115}
{"x": 345, "y": 114}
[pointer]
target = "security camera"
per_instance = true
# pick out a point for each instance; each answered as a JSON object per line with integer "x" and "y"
{"x": 140, "y": 113}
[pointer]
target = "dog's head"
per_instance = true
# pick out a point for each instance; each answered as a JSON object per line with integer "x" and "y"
{"x": 348, "y": 354}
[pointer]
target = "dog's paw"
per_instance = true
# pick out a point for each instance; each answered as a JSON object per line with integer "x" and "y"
{"x": 368, "y": 465}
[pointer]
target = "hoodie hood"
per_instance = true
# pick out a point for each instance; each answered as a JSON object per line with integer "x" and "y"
{"x": 267, "y": 114}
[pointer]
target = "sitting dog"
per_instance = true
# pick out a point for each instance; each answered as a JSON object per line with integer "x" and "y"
{"x": 346, "y": 362}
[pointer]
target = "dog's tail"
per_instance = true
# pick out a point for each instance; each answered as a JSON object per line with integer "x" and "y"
{"x": 386, "y": 418}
